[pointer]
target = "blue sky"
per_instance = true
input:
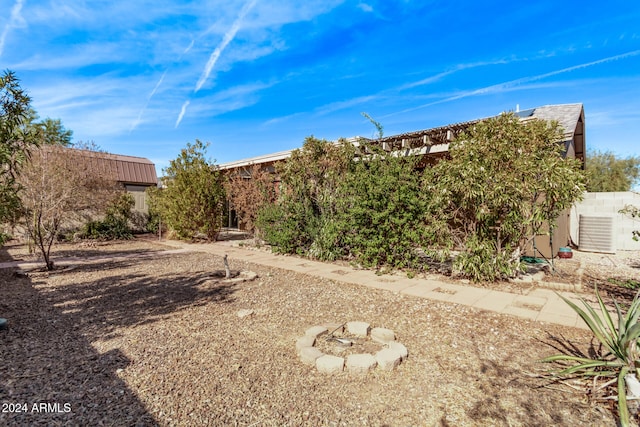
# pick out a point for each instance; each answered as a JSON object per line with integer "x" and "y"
{"x": 252, "y": 77}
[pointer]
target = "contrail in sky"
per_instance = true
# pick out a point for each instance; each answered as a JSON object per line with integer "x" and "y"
{"x": 15, "y": 17}
{"x": 155, "y": 89}
{"x": 228, "y": 37}
{"x": 146, "y": 104}
{"x": 215, "y": 55}
{"x": 182, "y": 111}
{"x": 507, "y": 85}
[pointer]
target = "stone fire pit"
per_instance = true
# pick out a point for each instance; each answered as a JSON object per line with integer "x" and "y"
{"x": 353, "y": 346}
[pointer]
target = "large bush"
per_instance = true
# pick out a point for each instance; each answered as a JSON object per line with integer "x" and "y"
{"x": 382, "y": 212}
{"x": 310, "y": 180}
{"x": 505, "y": 181}
{"x": 192, "y": 204}
{"x": 115, "y": 224}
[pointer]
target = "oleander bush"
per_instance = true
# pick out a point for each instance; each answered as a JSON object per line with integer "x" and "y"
{"x": 503, "y": 183}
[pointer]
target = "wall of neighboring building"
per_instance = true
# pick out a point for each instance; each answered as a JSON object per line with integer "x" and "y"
{"x": 609, "y": 205}
{"x": 547, "y": 246}
{"x": 139, "y": 196}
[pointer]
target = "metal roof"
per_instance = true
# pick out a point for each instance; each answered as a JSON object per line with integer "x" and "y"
{"x": 267, "y": 158}
{"x": 124, "y": 169}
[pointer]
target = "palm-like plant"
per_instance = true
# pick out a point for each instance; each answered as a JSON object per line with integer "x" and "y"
{"x": 619, "y": 338}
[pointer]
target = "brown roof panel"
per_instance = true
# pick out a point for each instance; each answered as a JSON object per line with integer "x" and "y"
{"x": 124, "y": 169}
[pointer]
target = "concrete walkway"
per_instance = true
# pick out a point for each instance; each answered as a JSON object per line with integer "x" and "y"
{"x": 538, "y": 304}
{"x": 542, "y": 305}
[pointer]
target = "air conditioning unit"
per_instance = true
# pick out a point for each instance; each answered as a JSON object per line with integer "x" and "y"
{"x": 596, "y": 234}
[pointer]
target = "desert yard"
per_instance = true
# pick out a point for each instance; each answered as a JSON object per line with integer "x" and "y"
{"x": 158, "y": 340}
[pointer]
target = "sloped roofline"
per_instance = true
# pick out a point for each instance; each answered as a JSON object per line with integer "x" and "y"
{"x": 124, "y": 169}
{"x": 567, "y": 115}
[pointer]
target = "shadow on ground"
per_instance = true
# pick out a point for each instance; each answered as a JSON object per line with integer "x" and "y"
{"x": 46, "y": 352}
{"x": 51, "y": 375}
{"x": 510, "y": 396}
{"x": 105, "y": 297}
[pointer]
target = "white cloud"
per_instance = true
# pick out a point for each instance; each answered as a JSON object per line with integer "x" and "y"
{"x": 144, "y": 108}
{"x": 365, "y": 7}
{"x": 15, "y": 21}
{"x": 341, "y": 105}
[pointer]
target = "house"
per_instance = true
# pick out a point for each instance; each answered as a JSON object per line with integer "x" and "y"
{"x": 433, "y": 145}
{"x": 136, "y": 174}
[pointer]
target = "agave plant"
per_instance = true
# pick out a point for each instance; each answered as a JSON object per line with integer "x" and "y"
{"x": 619, "y": 338}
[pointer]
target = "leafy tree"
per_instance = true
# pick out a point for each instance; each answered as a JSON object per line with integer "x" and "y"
{"x": 50, "y": 131}
{"x": 53, "y": 132}
{"x": 248, "y": 192}
{"x": 15, "y": 141}
{"x": 607, "y": 172}
{"x": 193, "y": 201}
{"x": 504, "y": 181}
{"x": 60, "y": 186}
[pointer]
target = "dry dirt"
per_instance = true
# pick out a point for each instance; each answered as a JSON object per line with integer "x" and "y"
{"x": 158, "y": 341}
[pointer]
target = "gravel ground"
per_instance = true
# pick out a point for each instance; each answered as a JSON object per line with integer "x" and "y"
{"x": 159, "y": 342}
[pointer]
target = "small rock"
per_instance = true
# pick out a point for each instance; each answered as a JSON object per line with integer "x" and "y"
{"x": 360, "y": 329}
{"x": 361, "y": 363}
{"x": 538, "y": 277}
{"x": 382, "y": 335}
{"x": 305, "y": 341}
{"x": 245, "y": 312}
{"x": 328, "y": 364}
{"x": 316, "y": 331}
{"x": 388, "y": 359}
{"x": 308, "y": 355}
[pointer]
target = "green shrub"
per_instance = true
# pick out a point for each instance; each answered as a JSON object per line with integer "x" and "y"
{"x": 505, "y": 182}
{"x": 110, "y": 228}
{"x": 4, "y": 237}
{"x": 481, "y": 261}
{"x": 115, "y": 225}
{"x": 328, "y": 244}
{"x": 300, "y": 221}
{"x": 193, "y": 201}
{"x": 383, "y": 210}
{"x": 278, "y": 228}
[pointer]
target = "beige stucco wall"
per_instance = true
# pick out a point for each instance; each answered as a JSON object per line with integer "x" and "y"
{"x": 609, "y": 204}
